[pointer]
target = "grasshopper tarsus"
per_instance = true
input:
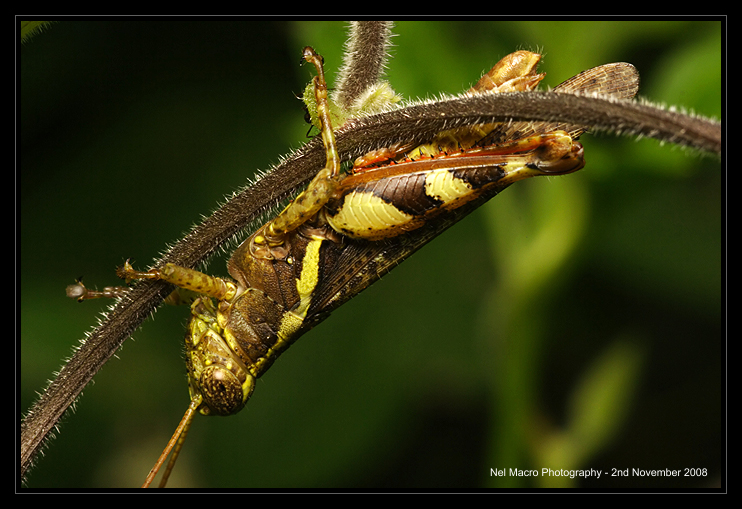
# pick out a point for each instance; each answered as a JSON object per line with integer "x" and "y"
{"x": 80, "y": 292}
{"x": 127, "y": 273}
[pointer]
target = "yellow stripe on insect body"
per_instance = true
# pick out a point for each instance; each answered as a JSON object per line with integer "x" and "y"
{"x": 370, "y": 216}
{"x": 292, "y": 320}
{"x": 309, "y": 277}
{"x": 445, "y": 187}
{"x": 365, "y": 215}
{"x": 287, "y": 329}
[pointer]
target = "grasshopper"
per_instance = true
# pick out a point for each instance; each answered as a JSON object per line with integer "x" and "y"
{"x": 346, "y": 230}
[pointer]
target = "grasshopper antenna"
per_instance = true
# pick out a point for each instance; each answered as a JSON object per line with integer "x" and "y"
{"x": 176, "y": 441}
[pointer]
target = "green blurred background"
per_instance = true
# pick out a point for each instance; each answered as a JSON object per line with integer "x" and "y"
{"x": 572, "y": 322}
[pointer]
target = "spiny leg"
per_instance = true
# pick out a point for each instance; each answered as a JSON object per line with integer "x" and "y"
{"x": 183, "y": 277}
{"x": 547, "y": 147}
{"x": 80, "y": 292}
{"x": 315, "y": 196}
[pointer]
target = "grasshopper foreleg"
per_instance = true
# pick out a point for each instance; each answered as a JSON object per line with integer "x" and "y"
{"x": 185, "y": 278}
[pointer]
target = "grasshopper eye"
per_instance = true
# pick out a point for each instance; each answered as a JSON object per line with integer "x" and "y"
{"x": 222, "y": 390}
